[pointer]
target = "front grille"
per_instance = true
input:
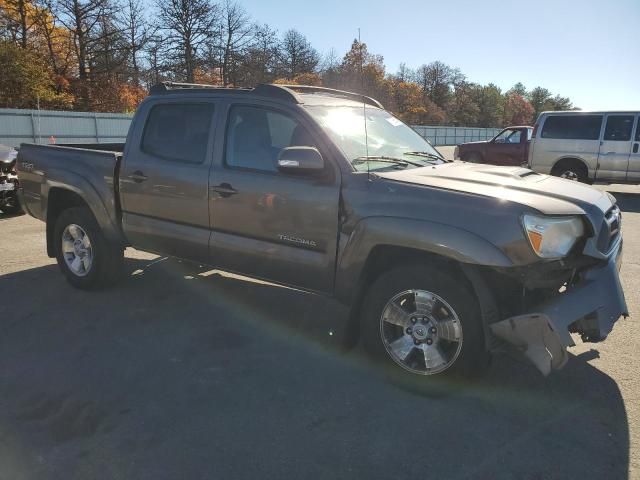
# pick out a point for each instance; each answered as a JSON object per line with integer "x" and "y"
{"x": 610, "y": 230}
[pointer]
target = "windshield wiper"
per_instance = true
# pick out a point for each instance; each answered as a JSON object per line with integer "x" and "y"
{"x": 385, "y": 159}
{"x": 425, "y": 154}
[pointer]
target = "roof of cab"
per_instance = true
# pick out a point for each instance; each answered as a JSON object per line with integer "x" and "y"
{"x": 307, "y": 94}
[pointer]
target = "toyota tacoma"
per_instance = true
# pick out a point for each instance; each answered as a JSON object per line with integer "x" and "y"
{"x": 439, "y": 262}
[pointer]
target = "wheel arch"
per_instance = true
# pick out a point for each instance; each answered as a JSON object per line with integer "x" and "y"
{"x": 457, "y": 250}
{"x": 569, "y": 159}
{"x": 60, "y": 197}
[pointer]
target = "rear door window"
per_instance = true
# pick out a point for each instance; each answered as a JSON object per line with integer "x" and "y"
{"x": 178, "y": 131}
{"x": 573, "y": 127}
{"x": 619, "y": 128}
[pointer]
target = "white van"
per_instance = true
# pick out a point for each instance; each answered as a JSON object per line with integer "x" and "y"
{"x": 587, "y": 146}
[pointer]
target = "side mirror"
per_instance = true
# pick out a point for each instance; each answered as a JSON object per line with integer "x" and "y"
{"x": 303, "y": 160}
{"x": 499, "y": 140}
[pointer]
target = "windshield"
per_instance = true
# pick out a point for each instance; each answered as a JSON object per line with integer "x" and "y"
{"x": 388, "y": 138}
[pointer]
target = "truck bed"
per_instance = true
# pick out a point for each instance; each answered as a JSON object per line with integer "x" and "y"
{"x": 90, "y": 170}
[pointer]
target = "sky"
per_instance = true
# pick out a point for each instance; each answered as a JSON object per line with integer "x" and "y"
{"x": 586, "y": 50}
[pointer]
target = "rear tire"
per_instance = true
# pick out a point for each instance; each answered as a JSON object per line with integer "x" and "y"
{"x": 86, "y": 258}
{"x": 441, "y": 340}
{"x": 571, "y": 169}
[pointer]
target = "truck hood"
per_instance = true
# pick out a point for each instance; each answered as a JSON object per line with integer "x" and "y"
{"x": 549, "y": 195}
{"x": 479, "y": 142}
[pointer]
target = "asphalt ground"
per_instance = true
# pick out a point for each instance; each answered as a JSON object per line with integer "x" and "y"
{"x": 183, "y": 373}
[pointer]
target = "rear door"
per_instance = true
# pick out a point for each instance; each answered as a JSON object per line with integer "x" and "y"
{"x": 633, "y": 172}
{"x": 615, "y": 147}
{"x": 265, "y": 223}
{"x": 164, "y": 178}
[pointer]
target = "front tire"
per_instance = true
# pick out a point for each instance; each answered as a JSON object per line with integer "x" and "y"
{"x": 419, "y": 322}
{"x": 86, "y": 258}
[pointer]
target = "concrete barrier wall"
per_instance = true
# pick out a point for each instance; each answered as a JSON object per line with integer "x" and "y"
{"x": 454, "y": 135}
{"x": 45, "y": 126}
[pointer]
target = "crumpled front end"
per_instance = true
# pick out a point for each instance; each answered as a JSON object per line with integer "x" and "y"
{"x": 590, "y": 306}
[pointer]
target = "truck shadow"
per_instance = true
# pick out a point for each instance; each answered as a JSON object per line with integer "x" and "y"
{"x": 628, "y": 202}
{"x": 180, "y": 372}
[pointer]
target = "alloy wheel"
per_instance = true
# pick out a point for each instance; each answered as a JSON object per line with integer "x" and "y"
{"x": 421, "y": 332}
{"x": 77, "y": 250}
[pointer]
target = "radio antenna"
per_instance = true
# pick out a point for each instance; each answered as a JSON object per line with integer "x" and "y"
{"x": 364, "y": 106}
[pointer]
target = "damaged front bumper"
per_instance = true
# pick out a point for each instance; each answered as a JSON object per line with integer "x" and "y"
{"x": 590, "y": 308}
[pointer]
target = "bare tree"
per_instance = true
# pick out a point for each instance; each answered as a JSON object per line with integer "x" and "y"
{"x": 435, "y": 80}
{"x": 237, "y": 37}
{"x": 137, "y": 33}
{"x": 260, "y": 62}
{"x": 297, "y": 55}
{"x": 405, "y": 74}
{"x": 58, "y": 45}
{"x": 186, "y": 26}
{"x": 81, "y": 18}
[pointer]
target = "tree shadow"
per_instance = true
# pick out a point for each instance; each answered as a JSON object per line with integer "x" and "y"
{"x": 184, "y": 372}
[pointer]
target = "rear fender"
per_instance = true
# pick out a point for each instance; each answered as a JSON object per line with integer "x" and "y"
{"x": 105, "y": 214}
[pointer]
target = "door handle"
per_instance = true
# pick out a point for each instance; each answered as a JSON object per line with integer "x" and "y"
{"x": 635, "y": 147}
{"x": 138, "y": 176}
{"x": 224, "y": 190}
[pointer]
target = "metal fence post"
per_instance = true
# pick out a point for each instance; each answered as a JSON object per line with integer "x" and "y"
{"x": 95, "y": 123}
{"x": 33, "y": 128}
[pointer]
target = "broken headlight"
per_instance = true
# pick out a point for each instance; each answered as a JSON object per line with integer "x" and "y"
{"x": 552, "y": 237}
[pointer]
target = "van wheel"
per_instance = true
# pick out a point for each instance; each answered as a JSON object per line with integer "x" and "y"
{"x": 571, "y": 170}
{"x": 87, "y": 259}
{"x": 473, "y": 157}
{"x": 420, "y": 323}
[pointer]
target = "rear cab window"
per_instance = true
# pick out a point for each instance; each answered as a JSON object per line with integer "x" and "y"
{"x": 572, "y": 127}
{"x": 178, "y": 131}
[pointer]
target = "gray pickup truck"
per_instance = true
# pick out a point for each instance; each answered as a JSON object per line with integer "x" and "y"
{"x": 325, "y": 191}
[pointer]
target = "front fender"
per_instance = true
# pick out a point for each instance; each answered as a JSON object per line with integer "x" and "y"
{"x": 436, "y": 238}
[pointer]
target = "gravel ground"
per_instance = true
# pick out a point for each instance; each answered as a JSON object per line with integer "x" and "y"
{"x": 180, "y": 372}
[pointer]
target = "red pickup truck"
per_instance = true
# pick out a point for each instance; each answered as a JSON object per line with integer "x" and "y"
{"x": 509, "y": 147}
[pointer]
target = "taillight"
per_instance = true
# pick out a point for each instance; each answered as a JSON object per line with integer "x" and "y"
{"x": 535, "y": 130}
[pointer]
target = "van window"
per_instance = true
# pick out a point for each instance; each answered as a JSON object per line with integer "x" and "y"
{"x": 178, "y": 131}
{"x": 574, "y": 127}
{"x": 619, "y": 128}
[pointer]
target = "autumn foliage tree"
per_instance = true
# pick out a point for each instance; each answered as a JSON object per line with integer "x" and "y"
{"x": 103, "y": 55}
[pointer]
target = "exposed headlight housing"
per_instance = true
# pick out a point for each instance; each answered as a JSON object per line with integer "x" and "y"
{"x": 552, "y": 237}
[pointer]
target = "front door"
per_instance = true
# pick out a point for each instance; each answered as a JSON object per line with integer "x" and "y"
{"x": 615, "y": 147}
{"x": 508, "y": 148}
{"x": 164, "y": 179}
{"x": 265, "y": 223}
{"x": 633, "y": 173}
